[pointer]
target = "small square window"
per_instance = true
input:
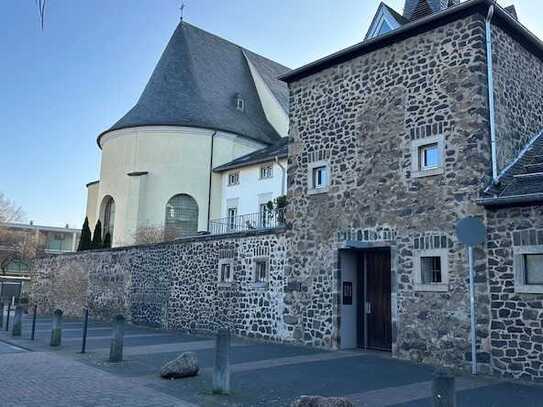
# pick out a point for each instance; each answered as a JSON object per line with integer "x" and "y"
{"x": 266, "y": 171}
{"x": 261, "y": 271}
{"x": 429, "y": 157}
{"x": 320, "y": 177}
{"x": 533, "y": 269}
{"x": 528, "y": 268}
{"x": 233, "y": 178}
{"x": 430, "y": 268}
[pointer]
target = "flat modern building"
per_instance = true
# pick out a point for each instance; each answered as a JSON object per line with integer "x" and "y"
{"x": 14, "y": 268}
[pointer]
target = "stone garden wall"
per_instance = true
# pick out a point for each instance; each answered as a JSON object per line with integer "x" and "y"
{"x": 518, "y": 89}
{"x": 362, "y": 117}
{"x": 173, "y": 285}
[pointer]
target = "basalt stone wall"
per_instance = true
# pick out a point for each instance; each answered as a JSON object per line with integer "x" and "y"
{"x": 362, "y": 117}
{"x": 517, "y": 327}
{"x": 518, "y": 90}
{"x": 176, "y": 284}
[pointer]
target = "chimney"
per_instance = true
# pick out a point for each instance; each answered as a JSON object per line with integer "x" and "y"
{"x": 512, "y": 11}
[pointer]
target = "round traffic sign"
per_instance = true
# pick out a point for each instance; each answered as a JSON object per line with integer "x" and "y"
{"x": 471, "y": 231}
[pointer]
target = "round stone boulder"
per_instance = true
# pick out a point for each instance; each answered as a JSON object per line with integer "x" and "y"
{"x": 185, "y": 365}
{"x": 318, "y": 401}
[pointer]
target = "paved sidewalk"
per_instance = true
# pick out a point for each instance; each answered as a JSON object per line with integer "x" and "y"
{"x": 262, "y": 374}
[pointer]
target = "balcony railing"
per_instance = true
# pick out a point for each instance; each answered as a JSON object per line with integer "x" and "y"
{"x": 269, "y": 219}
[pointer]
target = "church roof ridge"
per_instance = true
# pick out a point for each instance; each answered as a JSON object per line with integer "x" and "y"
{"x": 195, "y": 82}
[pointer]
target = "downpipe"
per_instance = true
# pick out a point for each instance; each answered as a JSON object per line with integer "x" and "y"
{"x": 491, "y": 100}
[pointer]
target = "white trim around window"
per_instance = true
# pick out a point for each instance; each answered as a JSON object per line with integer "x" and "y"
{"x": 431, "y": 269}
{"x": 427, "y": 156}
{"x": 528, "y": 265}
{"x": 318, "y": 177}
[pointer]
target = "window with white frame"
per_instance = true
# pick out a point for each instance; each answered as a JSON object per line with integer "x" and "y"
{"x": 427, "y": 155}
{"x": 226, "y": 271}
{"x": 261, "y": 270}
{"x": 266, "y": 171}
{"x": 528, "y": 266}
{"x": 233, "y": 178}
{"x": 431, "y": 270}
{"x": 319, "y": 177}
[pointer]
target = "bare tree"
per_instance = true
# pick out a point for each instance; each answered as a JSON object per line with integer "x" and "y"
{"x": 9, "y": 211}
{"x": 150, "y": 235}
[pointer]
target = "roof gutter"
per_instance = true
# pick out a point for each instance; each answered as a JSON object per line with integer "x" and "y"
{"x": 491, "y": 100}
{"x": 283, "y": 174}
{"x": 510, "y": 200}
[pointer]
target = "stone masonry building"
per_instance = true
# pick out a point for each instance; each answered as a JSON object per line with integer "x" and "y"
{"x": 436, "y": 116}
{"x": 395, "y": 140}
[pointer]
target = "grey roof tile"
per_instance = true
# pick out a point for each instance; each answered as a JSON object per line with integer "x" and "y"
{"x": 195, "y": 84}
{"x": 523, "y": 179}
{"x": 279, "y": 149}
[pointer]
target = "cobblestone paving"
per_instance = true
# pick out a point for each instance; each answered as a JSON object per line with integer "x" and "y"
{"x": 262, "y": 374}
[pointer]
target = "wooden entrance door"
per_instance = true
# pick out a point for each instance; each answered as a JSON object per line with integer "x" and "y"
{"x": 375, "y": 308}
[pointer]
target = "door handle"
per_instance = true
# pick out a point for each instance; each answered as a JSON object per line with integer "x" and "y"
{"x": 368, "y": 308}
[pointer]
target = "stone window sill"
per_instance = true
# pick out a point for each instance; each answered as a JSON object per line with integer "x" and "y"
{"x": 260, "y": 285}
{"x": 432, "y": 288}
{"x": 529, "y": 289}
{"x": 427, "y": 173}
{"x": 224, "y": 284}
{"x": 318, "y": 191}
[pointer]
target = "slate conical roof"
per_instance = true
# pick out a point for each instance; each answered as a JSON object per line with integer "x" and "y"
{"x": 415, "y": 9}
{"x": 195, "y": 84}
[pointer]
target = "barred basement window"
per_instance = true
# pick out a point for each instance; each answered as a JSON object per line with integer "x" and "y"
{"x": 225, "y": 271}
{"x": 431, "y": 270}
{"x": 261, "y": 270}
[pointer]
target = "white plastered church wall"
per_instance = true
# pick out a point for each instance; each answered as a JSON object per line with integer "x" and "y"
{"x": 177, "y": 161}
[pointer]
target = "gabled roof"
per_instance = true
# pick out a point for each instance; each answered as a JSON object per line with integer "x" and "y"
{"x": 385, "y": 15}
{"x": 279, "y": 149}
{"x": 522, "y": 181}
{"x": 195, "y": 83}
{"x": 501, "y": 18}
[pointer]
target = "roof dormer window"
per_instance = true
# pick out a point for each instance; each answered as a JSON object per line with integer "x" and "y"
{"x": 240, "y": 103}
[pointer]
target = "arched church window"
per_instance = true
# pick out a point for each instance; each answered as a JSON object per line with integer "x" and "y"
{"x": 181, "y": 217}
{"x": 108, "y": 215}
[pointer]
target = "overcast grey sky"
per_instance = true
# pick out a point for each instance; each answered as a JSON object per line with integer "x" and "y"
{"x": 60, "y": 88}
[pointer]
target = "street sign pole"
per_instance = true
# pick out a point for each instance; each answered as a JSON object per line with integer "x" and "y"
{"x": 471, "y": 232}
{"x": 472, "y": 312}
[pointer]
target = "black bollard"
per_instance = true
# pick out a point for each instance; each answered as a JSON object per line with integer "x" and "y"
{"x": 443, "y": 389}
{"x": 7, "y": 316}
{"x": 116, "y": 350}
{"x": 56, "y": 331}
{"x": 17, "y": 328}
{"x": 33, "y": 334}
{"x": 221, "y": 373}
{"x": 85, "y": 327}
{"x": 1, "y": 314}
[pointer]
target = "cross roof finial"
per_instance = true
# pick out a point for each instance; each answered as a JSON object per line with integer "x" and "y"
{"x": 182, "y": 8}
